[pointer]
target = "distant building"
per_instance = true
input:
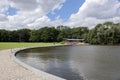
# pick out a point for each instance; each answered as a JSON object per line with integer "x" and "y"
{"x": 74, "y": 41}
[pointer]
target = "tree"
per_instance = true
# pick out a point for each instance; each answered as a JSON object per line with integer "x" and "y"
{"x": 24, "y": 35}
{"x": 107, "y": 33}
{"x": 35, "y": 36}
{"x": 49, "y": 34}
{"x": 4, "y": 36}
{"x": 65, "y": 32}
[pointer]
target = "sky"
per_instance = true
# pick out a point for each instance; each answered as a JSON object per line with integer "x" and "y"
{"x": 34, "y": 14}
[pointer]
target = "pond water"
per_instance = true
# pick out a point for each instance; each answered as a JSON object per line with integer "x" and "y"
{"x": 76, "y": 62}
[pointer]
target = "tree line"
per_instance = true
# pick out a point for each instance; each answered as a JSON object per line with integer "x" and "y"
{"x": 106, "y": 33}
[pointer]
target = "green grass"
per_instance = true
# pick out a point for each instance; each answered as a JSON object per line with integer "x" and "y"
{"x": 9, "y": 45}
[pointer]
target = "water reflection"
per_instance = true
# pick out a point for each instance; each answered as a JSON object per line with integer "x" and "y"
{"x": 64, "y": 70}
{"x": 90, "y": 62}
{"x": 54, "y": 60}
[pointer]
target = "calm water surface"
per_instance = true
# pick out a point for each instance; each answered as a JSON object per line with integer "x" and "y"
{"x": 76, "y": 62}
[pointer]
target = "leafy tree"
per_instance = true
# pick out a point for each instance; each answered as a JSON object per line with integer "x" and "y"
{"x": 24, "y": 35}
{"x": 65, "y": 32}
{"x": 35, "y": 36}
{"x": 107, "y": 33}
{"x": 48, "y": 34}
{"x": 4, "y": 36}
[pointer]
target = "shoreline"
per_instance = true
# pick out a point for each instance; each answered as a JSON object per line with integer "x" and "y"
{"x": 46, "y": 75}
{"x": 9, "y": 70}
{"x": 13, "y": 69}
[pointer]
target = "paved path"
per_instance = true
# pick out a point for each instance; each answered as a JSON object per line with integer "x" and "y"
{"x": 10, "y": 70}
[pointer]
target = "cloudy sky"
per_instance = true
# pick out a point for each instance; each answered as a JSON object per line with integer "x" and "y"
{"x": 33, "y": 14}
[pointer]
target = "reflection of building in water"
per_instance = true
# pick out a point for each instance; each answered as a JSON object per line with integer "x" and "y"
{"x": 74, "y": 41}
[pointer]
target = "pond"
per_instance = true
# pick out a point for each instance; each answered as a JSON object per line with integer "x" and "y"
{"x": 76, "y": 62}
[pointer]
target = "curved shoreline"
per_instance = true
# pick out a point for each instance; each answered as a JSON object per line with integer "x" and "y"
{"x": 46, "y": 75}
{"x": 9, "y": 70}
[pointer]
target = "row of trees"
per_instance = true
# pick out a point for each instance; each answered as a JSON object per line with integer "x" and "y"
{"x": 106, "y": 33}
{"x": 51, "y": 34}
{"x": 45, "y": 34}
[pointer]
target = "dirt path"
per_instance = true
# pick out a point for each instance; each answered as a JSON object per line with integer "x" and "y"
{"x": 10, "y": 70}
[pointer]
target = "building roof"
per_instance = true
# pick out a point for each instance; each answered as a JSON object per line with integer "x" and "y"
{"x": 74, "y": 39}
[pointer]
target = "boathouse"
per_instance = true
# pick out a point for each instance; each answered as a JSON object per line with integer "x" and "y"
{"x": 74, "y": 41}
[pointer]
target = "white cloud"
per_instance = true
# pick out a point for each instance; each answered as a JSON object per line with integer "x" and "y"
{"x": 44, "y": 21}
{"x": 3, "y": 5}
{"x": 30, "y": 13}
{"x": 24, "y": 4}
{"x": 3, "y": 17}
{"x": 93, "y": 12}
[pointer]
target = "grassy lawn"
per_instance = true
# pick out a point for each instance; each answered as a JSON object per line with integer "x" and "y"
{"x": 8, "y": 45}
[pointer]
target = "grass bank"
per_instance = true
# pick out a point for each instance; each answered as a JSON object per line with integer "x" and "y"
{"x": 9, "y": 45}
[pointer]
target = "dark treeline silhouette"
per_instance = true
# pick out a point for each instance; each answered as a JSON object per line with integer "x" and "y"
{"x": 106, "y": 33}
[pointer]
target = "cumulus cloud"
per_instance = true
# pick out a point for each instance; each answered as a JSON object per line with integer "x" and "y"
{"x": 30, "y": 13}
{"x": 3, "y": 6}
{"x": 3, "y": 17}
{"x": 93, "y": 12}
{"x": 33, "y": 13}
{"x": 24, "y": 4}
{"x": 44, "y": 21}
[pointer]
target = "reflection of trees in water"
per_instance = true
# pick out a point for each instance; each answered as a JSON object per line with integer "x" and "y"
{"x": 55, "y": 53}
{"x": 56, "y": 61}
{"x": 59, "y": 65}
{"x": 35, "y": 52}
{"x": 52, "y": 56}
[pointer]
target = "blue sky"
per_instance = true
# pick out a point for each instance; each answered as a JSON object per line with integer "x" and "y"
{"x": 69, "y": 7}
{"x": 11, "y": 11}
{"x": 34, "y": 14}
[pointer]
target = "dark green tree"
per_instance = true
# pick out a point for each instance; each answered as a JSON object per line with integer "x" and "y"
{"x": 24, "y": 35}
